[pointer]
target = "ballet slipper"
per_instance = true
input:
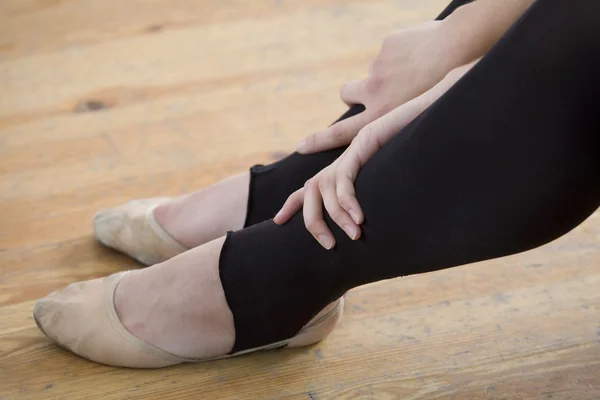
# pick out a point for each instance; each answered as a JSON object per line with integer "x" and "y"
{"x": 132, "y": 229}
{"x": 82, "y": 318}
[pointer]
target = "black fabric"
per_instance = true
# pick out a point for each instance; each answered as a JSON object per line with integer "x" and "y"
{"x": 272, "y": 184}
{"x": 507, "y": 160}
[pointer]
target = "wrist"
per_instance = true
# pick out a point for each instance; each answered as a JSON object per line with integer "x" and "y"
{"x": 460, "y": 38}
{"x": 473, "y": 29}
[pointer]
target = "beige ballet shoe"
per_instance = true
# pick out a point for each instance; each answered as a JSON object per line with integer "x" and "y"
{"x": 82, "y": 318}
{"x": 132, "y": 229}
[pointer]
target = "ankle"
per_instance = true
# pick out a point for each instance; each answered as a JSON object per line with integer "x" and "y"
{"x": 207, "y": 214}
{"x": 179, "y": 306}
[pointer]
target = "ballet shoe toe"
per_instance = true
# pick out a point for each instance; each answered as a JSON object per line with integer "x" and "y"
{"x": 132, "y": 229}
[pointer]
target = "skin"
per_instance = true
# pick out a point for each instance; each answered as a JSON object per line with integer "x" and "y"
{"x": 207, "y": 214}
{"x": 187, "y": 314}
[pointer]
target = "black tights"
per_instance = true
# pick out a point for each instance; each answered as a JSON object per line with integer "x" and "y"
{"x": 507, "y": 160}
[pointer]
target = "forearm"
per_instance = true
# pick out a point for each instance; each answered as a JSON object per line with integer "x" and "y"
{"x": 474, "y": 28}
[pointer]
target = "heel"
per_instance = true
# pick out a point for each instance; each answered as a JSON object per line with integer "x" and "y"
{"x": 320, "y": 326}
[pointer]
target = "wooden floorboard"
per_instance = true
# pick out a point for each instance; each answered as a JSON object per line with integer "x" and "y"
{"x": 106, "y": 100}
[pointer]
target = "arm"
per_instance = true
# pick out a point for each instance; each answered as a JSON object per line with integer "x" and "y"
{"x": 414, "y": 60}
{"x": 474, "y": 28}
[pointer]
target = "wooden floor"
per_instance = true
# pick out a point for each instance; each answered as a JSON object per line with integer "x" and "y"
{"x": 102, "y": 101}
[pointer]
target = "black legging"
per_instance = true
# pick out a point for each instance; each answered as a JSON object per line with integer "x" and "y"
{"x": 507, "y": 160}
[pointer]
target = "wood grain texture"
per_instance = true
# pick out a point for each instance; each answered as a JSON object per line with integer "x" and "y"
{"x": 106, "y": 100}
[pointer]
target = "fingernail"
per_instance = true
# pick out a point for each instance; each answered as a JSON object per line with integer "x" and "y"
{"x": 326, "y": 241}
{"x": 301, "y": 146}
{"x": 350, "y": 231}
{"x": 354, "y": 216}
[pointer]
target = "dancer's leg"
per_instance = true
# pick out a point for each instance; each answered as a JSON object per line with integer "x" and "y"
{"x": 229, "y": 205}
{"x": 507, "y": 160}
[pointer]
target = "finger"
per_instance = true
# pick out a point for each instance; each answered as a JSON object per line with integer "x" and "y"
{"x": 337, "y": 135}
{"x": 292, "y": 205}
{"x": 335, "y": 210}
{"x": 349, "y": 164}
{"x": 313, "y": 215}
{"x": 353, "y": 92}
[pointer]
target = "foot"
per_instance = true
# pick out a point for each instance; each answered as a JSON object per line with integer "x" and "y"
{"x": 156, "y": 229}
{"x": 167, "y": 314}
{"x": 187, "y": 314}
{"x": 207, "y": 214}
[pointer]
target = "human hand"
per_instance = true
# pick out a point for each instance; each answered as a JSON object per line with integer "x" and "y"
{"x": 411, "y": 61}
{"x": 334, "y": 185}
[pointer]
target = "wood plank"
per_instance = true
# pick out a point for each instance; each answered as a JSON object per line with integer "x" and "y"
{"x": 71, "y": 24}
